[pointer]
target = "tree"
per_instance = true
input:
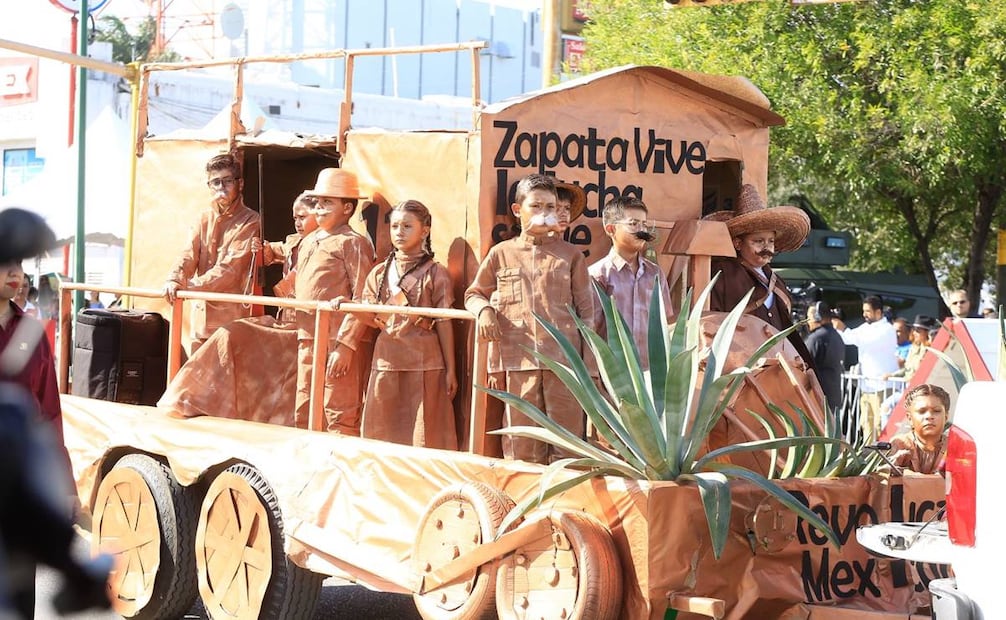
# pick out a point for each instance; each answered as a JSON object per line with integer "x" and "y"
{"x": 895, "y": 109}
{"x": 126, "y": 47}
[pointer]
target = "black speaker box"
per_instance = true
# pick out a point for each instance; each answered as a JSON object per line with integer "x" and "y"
{"x": 120, "y": 355}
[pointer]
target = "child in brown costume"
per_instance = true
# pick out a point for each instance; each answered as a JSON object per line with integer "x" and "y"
{"x": 533, "y": 273}
{"x": 286, "y": 252}
{"x": 333, "y": 263}
{"x": 413, "y": 378}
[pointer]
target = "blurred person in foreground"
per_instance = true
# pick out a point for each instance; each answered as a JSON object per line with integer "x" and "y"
{"x": 923, "y": 448}
{"x": 36, "y": 489}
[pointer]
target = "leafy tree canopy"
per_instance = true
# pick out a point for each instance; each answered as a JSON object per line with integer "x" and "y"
{"x": 128, "y": 47}
{"x": 895, "y": 109}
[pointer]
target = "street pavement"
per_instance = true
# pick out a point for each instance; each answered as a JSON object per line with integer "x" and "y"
{"x": 338, "y": 601}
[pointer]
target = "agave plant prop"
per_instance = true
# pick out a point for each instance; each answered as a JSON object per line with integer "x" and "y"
{"x": 817, "y": 460}
{"x": 655, "y": 421}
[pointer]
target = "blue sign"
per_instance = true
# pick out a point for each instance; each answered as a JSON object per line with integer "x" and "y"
{"x": 74, "y": 5}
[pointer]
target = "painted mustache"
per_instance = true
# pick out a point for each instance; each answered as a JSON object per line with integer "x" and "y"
{"x": 766, "y": 254}
{"x": 643, "y": 235}
{"x": 545, "y": 220}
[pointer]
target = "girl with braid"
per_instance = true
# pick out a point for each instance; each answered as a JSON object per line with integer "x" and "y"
{"x": 413, "y": 378}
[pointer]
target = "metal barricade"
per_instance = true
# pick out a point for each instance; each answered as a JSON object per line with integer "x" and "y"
{"x": 849, "y": 414}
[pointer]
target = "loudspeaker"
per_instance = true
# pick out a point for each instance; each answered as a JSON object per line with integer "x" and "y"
{"x": 120, "y": 355}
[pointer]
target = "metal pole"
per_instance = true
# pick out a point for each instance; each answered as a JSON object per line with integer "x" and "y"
{"x": 549, "y": 41}
{"x": 79, "y": 242}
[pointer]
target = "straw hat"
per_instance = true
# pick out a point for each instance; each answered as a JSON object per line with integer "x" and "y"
{"x": 336, "y": 183}
{"x": 579, "y": 201}
{"x": 790, "y": 224}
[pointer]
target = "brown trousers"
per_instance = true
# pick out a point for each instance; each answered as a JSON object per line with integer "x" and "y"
{"x": 544, "y": 390}
{"x": 342, "y": 394}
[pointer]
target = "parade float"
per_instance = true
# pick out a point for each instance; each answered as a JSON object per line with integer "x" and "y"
{"x": 249, "y": 514}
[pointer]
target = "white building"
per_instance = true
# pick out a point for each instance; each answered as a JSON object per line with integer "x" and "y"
{"x": 431, "y": 91}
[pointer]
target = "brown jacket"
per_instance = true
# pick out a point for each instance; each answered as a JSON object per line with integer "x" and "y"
{"x": 329, "y": 266}
{"x": 736, "y": 280}
{"x": 523, "y": 276}
{"x": 218, "y": 259}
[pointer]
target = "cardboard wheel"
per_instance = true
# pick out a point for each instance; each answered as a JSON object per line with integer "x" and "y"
{"x": 574, "y": 574}
{"x": 243, "y": 570}
{"x": 458, "y": 520}
{"x": 146, "y": 520}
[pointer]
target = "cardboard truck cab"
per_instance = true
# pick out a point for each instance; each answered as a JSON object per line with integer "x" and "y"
{"x": 971, "y": 538}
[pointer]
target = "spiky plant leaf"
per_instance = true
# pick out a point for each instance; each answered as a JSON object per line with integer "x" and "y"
{"x": 657, "y": 346}
{"x": 784, "y": 497}
{"x": 714, "y": 490}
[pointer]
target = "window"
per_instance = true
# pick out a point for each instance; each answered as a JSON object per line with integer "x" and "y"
{"x": 19, "y": 167}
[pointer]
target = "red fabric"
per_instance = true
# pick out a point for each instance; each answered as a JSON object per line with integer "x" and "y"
{"x": 38, "y": 369}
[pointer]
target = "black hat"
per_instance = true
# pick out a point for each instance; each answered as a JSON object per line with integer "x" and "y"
{"x": 925, "y": 322}
{"x": 23, "y": 234}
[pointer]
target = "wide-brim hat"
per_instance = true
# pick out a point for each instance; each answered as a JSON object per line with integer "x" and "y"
{"x": 579, "y": 198}
{"x": 790, "y": 224}
{"x": 925, "y": 322}
{"x": 335, "y": 183}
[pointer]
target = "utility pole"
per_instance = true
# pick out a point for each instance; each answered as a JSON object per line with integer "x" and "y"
{"x": 549, "y": 41}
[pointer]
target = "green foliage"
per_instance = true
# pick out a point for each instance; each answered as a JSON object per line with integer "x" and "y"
{"x": 817, "y": 460}
{"x": 895, "y": 110}
{"x": 127, "y": 47}
{"x": 655, "y": 421}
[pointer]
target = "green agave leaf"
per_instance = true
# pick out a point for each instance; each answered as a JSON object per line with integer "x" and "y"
{"x": 758, "y": 445}
{"x": 642, "y": 394}
{"x": 774, "y": 452}
{"x": 790, "y": 467}
{"x": 677, "y": 403}
{"x": 714, "y": 489}
{"x": 725, "y": 335}
{"x": 536, "y": 499}
{"x": 692, "y": 338}
{"x": 641, "y": 424}
{"x": 602, "y": 413}
{"x": 678, "y": 331}
{"x": 712, "y": 402}
{"x": 787, "y": 500}
{"x": 772, "y": 340}
{"x": 799, "y": 430}
{"x": 657, "y": 345}
{"x": 560, "y": 436}
{"x": 610, "y": 362}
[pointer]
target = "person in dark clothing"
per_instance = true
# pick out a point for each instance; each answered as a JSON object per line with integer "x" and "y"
{"x": 828, "y": 349}
{"x": 35, "y": 484}
{"x": 759, "y": 233}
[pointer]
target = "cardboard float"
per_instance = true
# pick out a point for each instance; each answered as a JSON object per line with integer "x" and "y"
{"x": 252, "y": 514}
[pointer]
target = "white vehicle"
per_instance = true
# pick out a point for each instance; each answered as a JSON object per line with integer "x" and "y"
{"x": 970, "y": 538}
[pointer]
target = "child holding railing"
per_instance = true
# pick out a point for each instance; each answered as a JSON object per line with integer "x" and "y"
{"x": 413, "y": 379}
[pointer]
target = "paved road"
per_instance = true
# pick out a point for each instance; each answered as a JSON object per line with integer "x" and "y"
{"x": 338, "y": 602}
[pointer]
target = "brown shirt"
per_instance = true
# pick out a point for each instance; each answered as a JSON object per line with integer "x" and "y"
{"x": 734, "y": 283}
{"x": 408, "y": 342}
{"x": 527, "y": 275}
{"x": 333, "y": 265}
{"x": 218, "y": 259}
{"x": 918, "y": 459}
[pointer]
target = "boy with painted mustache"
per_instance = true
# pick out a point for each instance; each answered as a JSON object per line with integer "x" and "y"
{"x": 533, "y": 273}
